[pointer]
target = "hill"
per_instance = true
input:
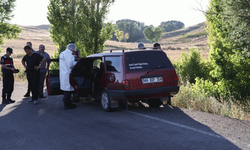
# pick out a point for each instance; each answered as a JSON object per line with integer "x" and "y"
{"x": 172, "y": 42}
{"x": 176, "y": 40}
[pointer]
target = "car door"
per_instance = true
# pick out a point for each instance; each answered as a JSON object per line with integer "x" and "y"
{"x": 52, "y": 78}
{"x": 81, "y": 77}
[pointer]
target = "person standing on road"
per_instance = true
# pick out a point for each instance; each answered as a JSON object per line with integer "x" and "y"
{"x": 76, "y": 53}
{"x": 43, "y": 69}
{"x": 141, "y": 46}
{"x": 28, "y": 90}
{"x": 66, "y": 62}
{"x": 8, "y": 78}
{"x": 157, "y": 46}
{"x": 32, "y": 63}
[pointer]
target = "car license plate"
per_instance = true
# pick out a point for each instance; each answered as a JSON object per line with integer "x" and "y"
{"x": 152, "y": 80}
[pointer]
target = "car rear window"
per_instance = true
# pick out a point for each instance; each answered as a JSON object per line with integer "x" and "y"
{"x": 147, "y": 60}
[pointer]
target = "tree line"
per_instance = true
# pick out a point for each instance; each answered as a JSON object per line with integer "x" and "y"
{"x": 127, "y": 30}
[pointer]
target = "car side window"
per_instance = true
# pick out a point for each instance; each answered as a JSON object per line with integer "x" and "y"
{"x": 113, "y": 64}
{"x": 96, "y": 63}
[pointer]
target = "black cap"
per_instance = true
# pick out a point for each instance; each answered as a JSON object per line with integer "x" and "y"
{"x": 9, "y": 50}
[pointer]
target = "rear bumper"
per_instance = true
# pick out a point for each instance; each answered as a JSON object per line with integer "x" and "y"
{"x": 142, "y": 92}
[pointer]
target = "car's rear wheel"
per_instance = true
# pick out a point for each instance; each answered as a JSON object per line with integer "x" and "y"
{"x": 105, "y": 101}
{"x": 155, "y": 102}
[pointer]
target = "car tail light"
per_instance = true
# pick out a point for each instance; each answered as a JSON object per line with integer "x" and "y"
{"x": 126, "y": 85}
{"x": 176, "y": 80}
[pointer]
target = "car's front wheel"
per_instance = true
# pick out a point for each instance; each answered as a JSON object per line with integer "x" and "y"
{"x": 105, "y": 101}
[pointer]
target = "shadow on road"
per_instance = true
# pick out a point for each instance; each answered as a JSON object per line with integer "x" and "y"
{"x": 49, "y": 126}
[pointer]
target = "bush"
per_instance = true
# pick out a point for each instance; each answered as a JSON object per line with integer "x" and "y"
{"x": 191, "y": 66}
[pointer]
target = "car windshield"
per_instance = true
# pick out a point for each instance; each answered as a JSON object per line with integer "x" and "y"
{"x": 147, "y": 60}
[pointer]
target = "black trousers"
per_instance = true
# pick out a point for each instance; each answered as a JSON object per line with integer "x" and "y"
{"x": 28, "y": 90}
{"x": 66, "y": 97}
{"x": 8, "y": 85}
{"x": 33, "y": 81}
{"x": 41, "y": 81}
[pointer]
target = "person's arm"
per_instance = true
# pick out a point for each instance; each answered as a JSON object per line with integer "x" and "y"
{"x": 24, "y": 64}
{"x": 70, "y": 61}
{"x": 47, "y": 60}
{"x": 5, "y": 67}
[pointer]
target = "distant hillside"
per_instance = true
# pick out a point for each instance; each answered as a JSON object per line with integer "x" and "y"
{"x": 175, "y": 40}
{"x": 42, "y": 27}
{"x": 187, "y": 37}
{"x": 179, "y": 39}
{"x": 192, "y": 29}
{"x": 173, "y": 43}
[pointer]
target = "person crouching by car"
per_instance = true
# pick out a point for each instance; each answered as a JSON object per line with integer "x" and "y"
{"x": 8, "y": 79}
{"x": 32, "y": 62}
{"x": 66, "y": 62}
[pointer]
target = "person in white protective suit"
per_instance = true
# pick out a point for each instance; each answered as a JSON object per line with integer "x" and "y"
{"x": 66, "y": 62}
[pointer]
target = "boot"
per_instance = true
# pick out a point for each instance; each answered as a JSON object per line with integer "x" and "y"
{"x": 10, "y": 100}
{"x": 4, "y": 101}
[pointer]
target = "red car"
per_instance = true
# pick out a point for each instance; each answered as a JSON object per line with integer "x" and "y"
{"x": 130, "y": 75}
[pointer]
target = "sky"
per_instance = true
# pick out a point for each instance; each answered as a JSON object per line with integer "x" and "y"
{"x": 150, "y": 12}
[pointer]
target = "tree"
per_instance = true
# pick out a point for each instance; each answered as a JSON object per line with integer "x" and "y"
{"x": 228, "y": 29}
{"x": 7, "y": 30}
{"x": 132, "y": 27}
{"x": 172, "y": 25}
{"x": 153, "y": 34}
{"x": 81, "y": 22}
{"x": 119, "y": 35}
{"x": 126, "y": 36}
{"x": 158, "y": 33}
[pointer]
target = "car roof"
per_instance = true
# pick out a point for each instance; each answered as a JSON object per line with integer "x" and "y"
{"x": 111, "y": 53}
{"x": 106, "y": 54}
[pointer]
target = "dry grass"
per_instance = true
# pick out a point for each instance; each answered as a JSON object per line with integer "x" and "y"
{"x": 187, "y": 99}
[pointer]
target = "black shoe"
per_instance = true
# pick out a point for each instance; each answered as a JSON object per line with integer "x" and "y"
{"x": 27, "y": 95}
{"x": 5, "y": 101}
{"x": 11, "y": 101}
{"x": 70, "y": 106}
{"x": 42, "y": 97}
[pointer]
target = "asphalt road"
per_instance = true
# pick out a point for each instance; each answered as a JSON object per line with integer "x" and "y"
{"x": 49, "y": 126}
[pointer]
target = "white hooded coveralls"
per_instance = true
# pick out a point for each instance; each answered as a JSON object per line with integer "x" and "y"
{"x": 66, "y": 63}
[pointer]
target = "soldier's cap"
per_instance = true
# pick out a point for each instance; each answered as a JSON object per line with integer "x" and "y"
{"x": 9, "y": 50}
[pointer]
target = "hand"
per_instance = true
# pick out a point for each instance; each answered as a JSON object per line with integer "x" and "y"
{"x": 13, "y": 69}
{"x": 37, "y": 67}
{"x": 77, "y": 59}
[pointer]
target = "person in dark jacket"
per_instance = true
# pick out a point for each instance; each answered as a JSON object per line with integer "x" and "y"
{"x": 28, "y": 90}
{"x": 8, "y": 77}
{"x": 32, "y": 62}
